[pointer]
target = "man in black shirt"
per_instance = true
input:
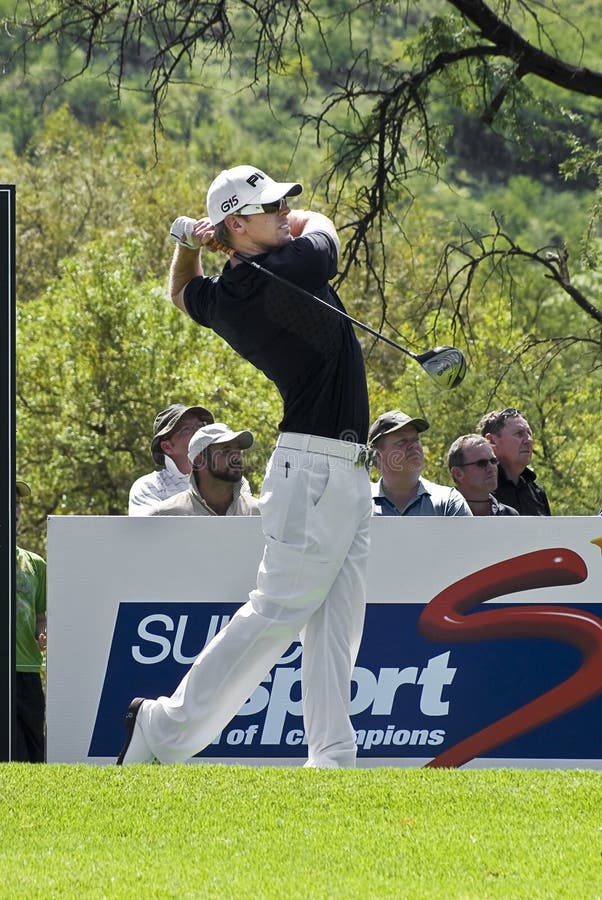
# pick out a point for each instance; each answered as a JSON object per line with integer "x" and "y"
{"x": 315, "y": 500}
{"x": 512, "y": 439}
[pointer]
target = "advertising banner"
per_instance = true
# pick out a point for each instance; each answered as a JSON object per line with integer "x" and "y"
{"x": 482, "y": 643}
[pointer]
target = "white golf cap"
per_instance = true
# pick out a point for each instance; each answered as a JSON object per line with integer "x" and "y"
{"x": 244, "y": 186}
{"x": 217, "y": 433}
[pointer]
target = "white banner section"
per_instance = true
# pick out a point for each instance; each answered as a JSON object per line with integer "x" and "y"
{"x": 482, "y": 643}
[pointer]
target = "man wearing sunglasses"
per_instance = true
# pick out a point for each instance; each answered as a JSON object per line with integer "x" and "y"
{"x": 474, "y": 468}
{"x": 315, "y": 500}
{"x": 511, "y": 437}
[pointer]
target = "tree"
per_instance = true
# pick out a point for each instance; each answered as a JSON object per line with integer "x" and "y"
{"x": 398, "y": 99}
{"x": 100, "y": 353}
{"x": 380, "y": 109}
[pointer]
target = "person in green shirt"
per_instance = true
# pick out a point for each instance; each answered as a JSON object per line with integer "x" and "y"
{"x": 30, "y": 642}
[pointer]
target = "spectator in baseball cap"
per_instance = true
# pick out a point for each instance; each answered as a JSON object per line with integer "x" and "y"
{"x": 172, "y": 429}
{"x": 23, "y": 489}
{"x": 401, "y": 490}
{"x": 216, "y": 483}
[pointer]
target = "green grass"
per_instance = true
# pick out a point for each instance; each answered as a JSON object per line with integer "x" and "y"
{"x": 237, "y": 832}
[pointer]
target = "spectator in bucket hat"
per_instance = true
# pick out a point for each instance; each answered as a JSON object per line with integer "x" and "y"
{"x": 172, "y": 429}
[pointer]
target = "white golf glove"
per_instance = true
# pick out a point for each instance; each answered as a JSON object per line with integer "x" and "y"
{"x": 181, "y": 232}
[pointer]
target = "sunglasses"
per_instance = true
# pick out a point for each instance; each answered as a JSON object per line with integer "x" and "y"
{"x": 482, "y": 463}
{"x": 257, "y": 209}
{"x": 510, "y": 413}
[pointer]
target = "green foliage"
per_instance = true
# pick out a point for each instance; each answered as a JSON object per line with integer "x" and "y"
{"x": 100, "y": 353}
{"x": 100, "y": 350}
{"x": 561, "y": 394}
{"x": 587, "y": 159}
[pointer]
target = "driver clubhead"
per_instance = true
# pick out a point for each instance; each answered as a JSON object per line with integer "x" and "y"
{"x": 445, "y": 365}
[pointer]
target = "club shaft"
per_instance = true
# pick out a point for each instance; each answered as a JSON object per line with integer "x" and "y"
{"x": 289, "y": 284}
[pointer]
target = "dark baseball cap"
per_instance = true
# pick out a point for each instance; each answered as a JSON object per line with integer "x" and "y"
{"x": 392, "y": 421}
{"x": 166, "y": 421}
{"x": 22, "y": 488}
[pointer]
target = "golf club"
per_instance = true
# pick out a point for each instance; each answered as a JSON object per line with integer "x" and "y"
{"x": 445, "y": 365}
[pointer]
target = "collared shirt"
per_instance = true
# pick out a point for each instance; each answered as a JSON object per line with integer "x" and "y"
{"x": 527, "y": 497}
{"x": 311, "y": 353}
{"x": 191, "y": 503}
{"x": 150, "y": 489}
{"x": 431, "y": 500}
{"x": 30, "y": 603}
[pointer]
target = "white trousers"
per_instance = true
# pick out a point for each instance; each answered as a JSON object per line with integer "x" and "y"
{"x": 316, "y": 508}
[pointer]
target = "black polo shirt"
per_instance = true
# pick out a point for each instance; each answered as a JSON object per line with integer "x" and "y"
{"x": 310, "y": 353}
{"x": 527, "y": 497}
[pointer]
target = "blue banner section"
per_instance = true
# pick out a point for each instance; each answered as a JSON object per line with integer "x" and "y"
{"x": 411, "y": 698}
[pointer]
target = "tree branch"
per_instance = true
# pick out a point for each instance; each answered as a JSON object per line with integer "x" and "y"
{"x": 529, "y": 58}
{"x": 455, "y": 276}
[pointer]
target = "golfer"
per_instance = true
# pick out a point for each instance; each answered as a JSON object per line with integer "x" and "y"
{"x": 315, "y": 500}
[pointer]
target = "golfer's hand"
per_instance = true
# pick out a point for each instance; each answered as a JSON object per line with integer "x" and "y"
{"x": 191, "y": 233}
{"x": 204, "y": 231}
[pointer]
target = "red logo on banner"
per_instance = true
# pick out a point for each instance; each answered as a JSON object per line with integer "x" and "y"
{"x": 445, "y": 619}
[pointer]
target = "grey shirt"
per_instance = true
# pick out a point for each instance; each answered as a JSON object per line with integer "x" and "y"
{"x": 431, "y": 500}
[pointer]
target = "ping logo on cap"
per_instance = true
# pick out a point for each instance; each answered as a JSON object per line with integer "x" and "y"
{"x": 253, "y": 179}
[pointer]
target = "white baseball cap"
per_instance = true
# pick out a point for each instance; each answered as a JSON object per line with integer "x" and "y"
{"x": 217, "y": 433}
{"x": 244, "y": 186}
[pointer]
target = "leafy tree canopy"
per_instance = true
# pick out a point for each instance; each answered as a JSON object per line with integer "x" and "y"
{"x": 390, "y": 89}
{"x": 456, "y": 144}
